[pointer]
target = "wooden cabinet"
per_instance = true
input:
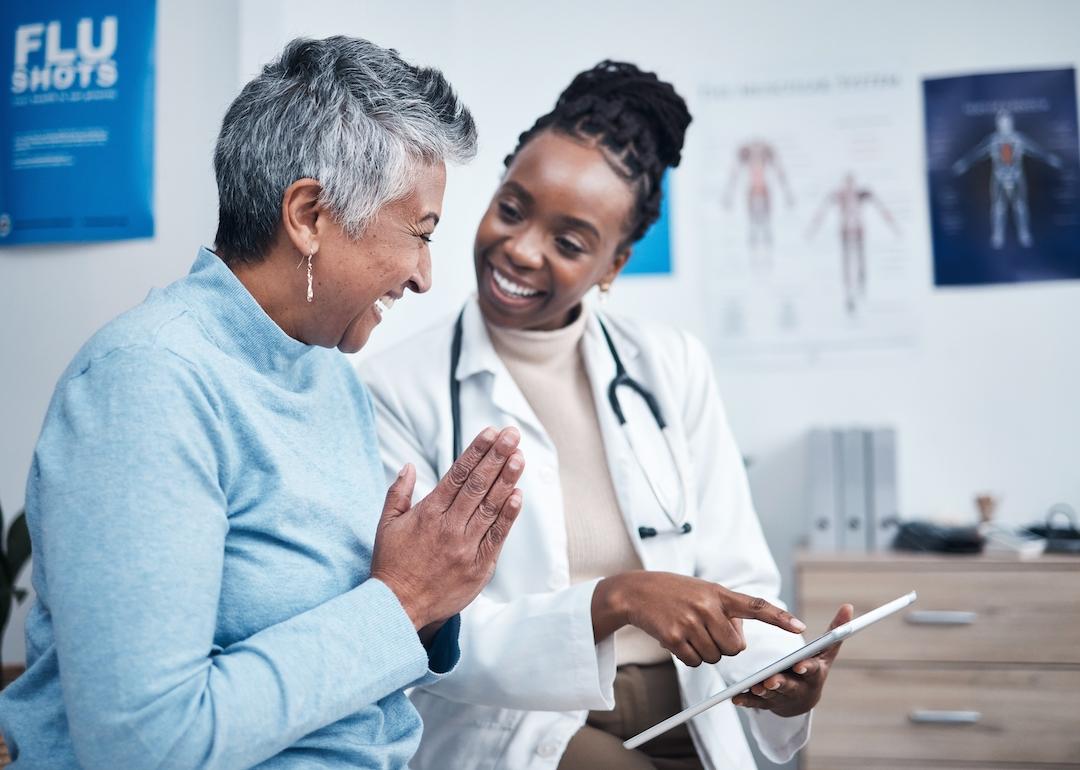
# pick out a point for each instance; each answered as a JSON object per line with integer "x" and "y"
{"x": 981, "y": 673}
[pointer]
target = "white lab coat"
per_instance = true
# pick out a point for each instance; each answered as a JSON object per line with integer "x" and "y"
{"x": 529, "y": 668}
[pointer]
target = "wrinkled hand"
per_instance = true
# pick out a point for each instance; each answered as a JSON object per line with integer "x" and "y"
{"x": 437, "y": 555}
{"x": 798, "y": 689}
{"x": 693, "y": 619}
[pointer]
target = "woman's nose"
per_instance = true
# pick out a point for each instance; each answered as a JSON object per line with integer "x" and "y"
{"x": 420, "y": 281}
{"x": 525, "y": 251}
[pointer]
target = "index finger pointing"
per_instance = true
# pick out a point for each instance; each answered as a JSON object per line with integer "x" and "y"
{"x": 743, "y": 606}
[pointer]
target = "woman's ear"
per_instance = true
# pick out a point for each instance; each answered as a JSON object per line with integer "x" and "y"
{"x": 302, "y": 215}
{"x": 616, "y": 267}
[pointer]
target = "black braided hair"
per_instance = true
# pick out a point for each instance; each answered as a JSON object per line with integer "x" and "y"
{"x": 638, "y": 119}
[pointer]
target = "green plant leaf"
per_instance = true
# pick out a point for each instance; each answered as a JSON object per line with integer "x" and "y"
{"x": 5, "y": 612}
{"x": 18, "y": 545}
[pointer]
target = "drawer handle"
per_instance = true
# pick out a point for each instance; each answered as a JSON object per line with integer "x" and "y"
{"x": 930, "y": 717}
{"x": 941, "y": 617}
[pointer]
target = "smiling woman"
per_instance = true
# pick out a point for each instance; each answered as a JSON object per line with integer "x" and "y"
{"x": 223, "y": 579}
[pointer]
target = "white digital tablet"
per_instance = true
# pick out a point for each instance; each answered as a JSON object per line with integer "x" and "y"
{"x": 838, "y": 634}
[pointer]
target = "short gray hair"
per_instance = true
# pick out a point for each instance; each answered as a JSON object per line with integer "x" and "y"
{"x": 344, "y": 111}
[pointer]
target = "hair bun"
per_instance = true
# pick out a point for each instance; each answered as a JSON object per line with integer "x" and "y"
{"x": 639, "y": 119}
{"x": 612, "y": 88}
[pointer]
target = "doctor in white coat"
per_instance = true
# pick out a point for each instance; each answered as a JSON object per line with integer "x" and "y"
{"x": 621, "y": 591}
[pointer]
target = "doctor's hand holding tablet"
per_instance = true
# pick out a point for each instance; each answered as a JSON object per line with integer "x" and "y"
{"x": 798, "y": 689}
{"x": 699, "y": 622}
{"x": 773, "y": 687}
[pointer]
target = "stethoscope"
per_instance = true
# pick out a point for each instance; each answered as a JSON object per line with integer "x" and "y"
{"x": 677, "y": 517}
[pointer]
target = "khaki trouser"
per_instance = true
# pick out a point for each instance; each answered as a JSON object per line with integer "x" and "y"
{"x": 644, "y": 695}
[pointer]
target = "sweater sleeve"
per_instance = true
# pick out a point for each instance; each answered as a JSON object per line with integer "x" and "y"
{"x": 127, "y": 480}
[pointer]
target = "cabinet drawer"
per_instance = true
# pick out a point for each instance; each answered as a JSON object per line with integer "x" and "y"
{"x": 1004, "y": 616}
{"x": 831, "y": 763}
{"x": 896, "y": 714}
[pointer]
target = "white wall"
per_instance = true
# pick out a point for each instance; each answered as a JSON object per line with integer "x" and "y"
{"x": 52, "y": 298}
{"x": 985, "y": 402}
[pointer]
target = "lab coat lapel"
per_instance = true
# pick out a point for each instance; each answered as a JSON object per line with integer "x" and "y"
{"x": 636, "y": 500}
{"x": 534, "y": 557}
{"x": 478, "y": 356}
{"x": 600, "y": 366}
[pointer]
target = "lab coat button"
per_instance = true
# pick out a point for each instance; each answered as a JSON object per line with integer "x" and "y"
{"x": 547, "y": 749}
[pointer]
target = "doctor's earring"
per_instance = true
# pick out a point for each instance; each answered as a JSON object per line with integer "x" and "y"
{"x": 605, "y": 288}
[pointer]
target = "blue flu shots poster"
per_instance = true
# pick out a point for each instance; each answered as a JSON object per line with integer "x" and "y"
{"x": 77, "y": 128}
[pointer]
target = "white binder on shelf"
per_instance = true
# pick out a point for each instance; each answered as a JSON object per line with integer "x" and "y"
{"x": 884, "y": 512}
{"x": 851, "y": 522}
{"x": 823, "y": 467}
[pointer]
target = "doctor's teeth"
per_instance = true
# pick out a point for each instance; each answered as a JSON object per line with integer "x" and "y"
{"x": 512, "y": 288}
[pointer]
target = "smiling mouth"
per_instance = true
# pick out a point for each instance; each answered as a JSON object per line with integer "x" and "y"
{"x": 383, "y": 304}
{"x": 510, "y": 288}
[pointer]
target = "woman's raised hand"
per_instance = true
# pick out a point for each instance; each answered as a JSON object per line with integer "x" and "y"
{"x": 693, "y": 619}
{"x": 437, "y": 555}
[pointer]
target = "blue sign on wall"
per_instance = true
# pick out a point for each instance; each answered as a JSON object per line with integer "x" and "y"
{"x": 77, "y": 120}
{"x": 652, "y": 254}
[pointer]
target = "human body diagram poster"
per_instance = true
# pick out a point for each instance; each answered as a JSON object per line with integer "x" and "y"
{"x": 807, "y": 210}
{"x": 1004, "y": 177}
{"x": 77, "y": 130}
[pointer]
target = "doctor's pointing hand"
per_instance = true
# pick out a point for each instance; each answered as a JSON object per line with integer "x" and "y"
{"x": 695, "y": 620}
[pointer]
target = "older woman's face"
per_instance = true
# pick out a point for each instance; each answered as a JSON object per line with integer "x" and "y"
{"x": 356, "y": 281}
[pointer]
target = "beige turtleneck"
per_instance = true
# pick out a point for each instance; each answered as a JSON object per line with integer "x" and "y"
{"x": 549, "y": 368}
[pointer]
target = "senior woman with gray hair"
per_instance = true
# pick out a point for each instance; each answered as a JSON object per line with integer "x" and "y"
{"x": 222, "y": 578}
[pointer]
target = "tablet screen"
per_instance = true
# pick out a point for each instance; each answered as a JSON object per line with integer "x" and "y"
{"x": 783, "y": 664}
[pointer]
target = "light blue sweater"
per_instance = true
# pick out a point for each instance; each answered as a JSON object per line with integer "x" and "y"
{"x": 203, "y": 502}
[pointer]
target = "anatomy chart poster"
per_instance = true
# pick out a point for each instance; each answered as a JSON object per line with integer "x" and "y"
{"x": 1004, "y": 177}
{"x": 804, "y": 200}
{"x": 76, "y": 120}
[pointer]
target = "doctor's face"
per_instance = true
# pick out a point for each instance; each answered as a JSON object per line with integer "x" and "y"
{"x": 555, "y": 228}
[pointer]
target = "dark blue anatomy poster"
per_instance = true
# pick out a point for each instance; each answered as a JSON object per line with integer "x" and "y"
{"x": 77, "y": 128}
{"x": 1004, "y": 177}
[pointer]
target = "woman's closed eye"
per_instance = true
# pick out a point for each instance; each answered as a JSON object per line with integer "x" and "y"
{"x": 569, "y": 246}
{"x": 509, "y": 212}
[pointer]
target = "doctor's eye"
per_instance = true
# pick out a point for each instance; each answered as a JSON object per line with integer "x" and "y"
{"x": 568, "y": 246}
{"x": 508, "y": 212}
